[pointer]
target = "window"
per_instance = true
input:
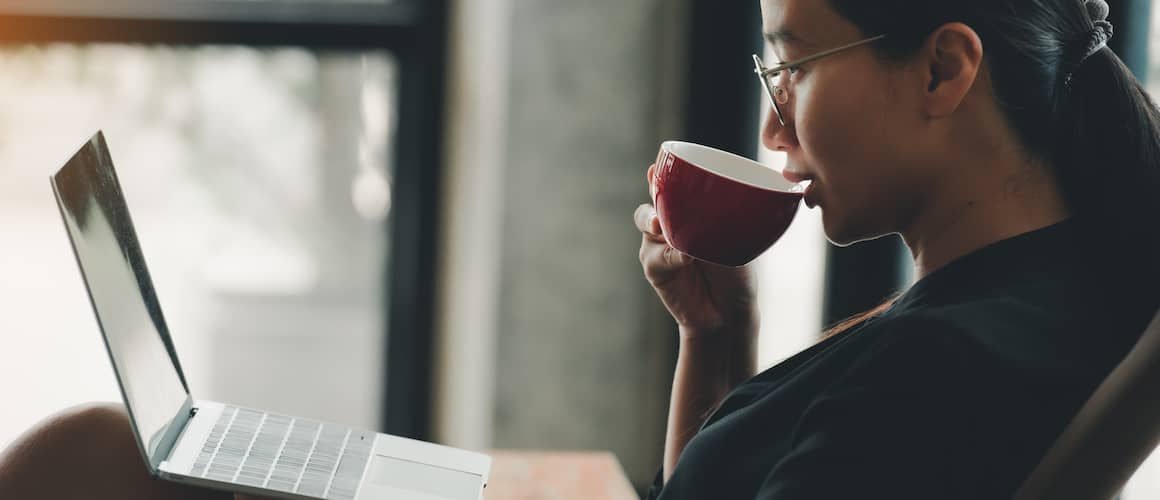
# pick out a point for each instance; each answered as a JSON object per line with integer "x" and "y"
{"x": 277, "y": 201}
{"x": 791, "y": 280}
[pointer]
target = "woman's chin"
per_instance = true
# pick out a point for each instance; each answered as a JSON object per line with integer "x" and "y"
{"x": 841, "y": 241}
{"x": 834, "y": 227}
{"x": 843, "y": 232}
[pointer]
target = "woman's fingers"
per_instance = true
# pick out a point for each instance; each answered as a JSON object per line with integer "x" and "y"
{"x": 646, "y": 221}
{"x": 656, "y": 256}
{"x": 660, "y": 261}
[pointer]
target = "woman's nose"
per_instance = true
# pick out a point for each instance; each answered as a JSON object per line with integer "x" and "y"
{"x": 775, "y": 136}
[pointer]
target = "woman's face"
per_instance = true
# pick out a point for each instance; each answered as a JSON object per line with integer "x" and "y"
{"x": 851, "y": 123}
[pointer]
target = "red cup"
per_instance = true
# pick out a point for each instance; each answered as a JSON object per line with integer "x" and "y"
{"x": 720, "y": 207}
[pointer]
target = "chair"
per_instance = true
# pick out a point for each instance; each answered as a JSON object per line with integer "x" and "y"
{"x": 1113, "y": 433}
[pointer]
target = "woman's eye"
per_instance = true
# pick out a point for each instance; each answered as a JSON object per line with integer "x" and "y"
{"x": 793, "y": 69}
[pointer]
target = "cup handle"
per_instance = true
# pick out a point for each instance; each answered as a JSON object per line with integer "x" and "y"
{"x": 652, "y": 183}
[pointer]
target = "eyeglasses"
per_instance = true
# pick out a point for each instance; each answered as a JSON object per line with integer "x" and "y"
{"x": 779, "y": 95}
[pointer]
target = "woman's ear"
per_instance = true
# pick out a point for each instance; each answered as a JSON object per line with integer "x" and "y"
{"x": 951, "y": 58}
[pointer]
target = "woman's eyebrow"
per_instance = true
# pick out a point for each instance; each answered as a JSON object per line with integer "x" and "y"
{"x": 785, "y": 37}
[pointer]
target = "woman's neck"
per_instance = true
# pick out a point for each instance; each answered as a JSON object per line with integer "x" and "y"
{"x": 977, "y": 207}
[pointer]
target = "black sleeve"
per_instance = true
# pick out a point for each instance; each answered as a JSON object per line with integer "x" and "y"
{"x": 655, "y": 490}
{"x": 889, "y": 427}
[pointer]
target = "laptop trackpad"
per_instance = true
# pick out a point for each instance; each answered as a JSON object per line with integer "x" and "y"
{"x": 390, "y": 477}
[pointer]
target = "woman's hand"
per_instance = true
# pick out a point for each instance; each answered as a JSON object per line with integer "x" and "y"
{"x": 703, "y": 298}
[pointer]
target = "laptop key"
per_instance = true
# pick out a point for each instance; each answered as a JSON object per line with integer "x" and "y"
{"x": 285, "y": 454}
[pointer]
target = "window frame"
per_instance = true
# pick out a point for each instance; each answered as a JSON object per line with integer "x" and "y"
{"x": 414, "y": 32}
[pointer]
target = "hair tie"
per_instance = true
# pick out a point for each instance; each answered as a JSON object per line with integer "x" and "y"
{"x": 1096, "y": 39}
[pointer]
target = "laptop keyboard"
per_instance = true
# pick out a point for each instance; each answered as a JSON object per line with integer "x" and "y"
{"x": 283, "y": 453}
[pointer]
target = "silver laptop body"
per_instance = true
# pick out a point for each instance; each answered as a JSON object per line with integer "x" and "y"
{"x": 212, "y": 444}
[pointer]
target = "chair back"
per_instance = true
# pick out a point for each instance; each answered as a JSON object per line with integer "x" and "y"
{"x": 1113, "y": 433}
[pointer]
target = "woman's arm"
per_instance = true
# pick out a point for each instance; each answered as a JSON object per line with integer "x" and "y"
{"x": 912, "y": 418}
{"x": 715, "y": 308}
{"x": 709, "y": 365}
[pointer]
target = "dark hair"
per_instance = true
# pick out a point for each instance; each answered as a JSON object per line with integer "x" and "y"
{"x": 862, "y": 317}
{"x": 1091, "y": 121}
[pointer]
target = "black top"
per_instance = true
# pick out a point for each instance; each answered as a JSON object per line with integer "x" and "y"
{"x": 955, "y": 392}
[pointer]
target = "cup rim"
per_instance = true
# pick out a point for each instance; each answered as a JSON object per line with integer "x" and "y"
{"x": 792, "y": 188}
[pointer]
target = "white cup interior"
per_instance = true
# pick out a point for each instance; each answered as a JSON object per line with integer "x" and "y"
{"x": 731, "y": 166}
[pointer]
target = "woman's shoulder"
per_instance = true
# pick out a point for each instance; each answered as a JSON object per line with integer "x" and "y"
{"x": 916, "y": 336}
{"x": 1007, "y": 332}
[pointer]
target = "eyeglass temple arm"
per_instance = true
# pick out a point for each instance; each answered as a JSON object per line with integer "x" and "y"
{"x": 781, "y": 67}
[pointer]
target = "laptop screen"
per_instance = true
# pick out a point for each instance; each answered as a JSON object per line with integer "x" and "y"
{"x": 122, "y": 296}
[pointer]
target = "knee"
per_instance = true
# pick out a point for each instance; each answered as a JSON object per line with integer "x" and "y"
{"x": 95, "y": 444}
{"x": 89, "y": 418}
{"x": 68, "y": 436}
{"x": 92, "y": 424}
{"x": 95, "y": 412}
{"x": 94, "y": 416}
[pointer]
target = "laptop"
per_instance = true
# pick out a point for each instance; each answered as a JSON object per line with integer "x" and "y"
{"x": 219, "y": 445}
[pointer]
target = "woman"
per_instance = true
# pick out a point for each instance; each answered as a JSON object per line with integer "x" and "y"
{"x": 1020, "y": 161}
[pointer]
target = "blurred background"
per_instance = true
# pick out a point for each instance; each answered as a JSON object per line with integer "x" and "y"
{"x": 407, "y": 215}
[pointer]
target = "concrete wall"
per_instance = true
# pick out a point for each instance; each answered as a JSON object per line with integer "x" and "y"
{"x": 550, "y": 337}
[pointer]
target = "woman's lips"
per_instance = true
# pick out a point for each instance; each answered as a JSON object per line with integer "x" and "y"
{"x": 806, "y": 179}
{"x": 795, "y": 177}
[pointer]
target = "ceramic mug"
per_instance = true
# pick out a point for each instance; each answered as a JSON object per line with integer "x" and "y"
{"x": 720, "y": 207}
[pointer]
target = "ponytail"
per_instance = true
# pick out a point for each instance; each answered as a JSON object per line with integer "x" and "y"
{"x": 859, "y": 318}
{"x": 1107, "y": 158}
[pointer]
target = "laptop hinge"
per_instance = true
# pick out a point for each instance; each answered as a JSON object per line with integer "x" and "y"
{"x": 169, "y": 439}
